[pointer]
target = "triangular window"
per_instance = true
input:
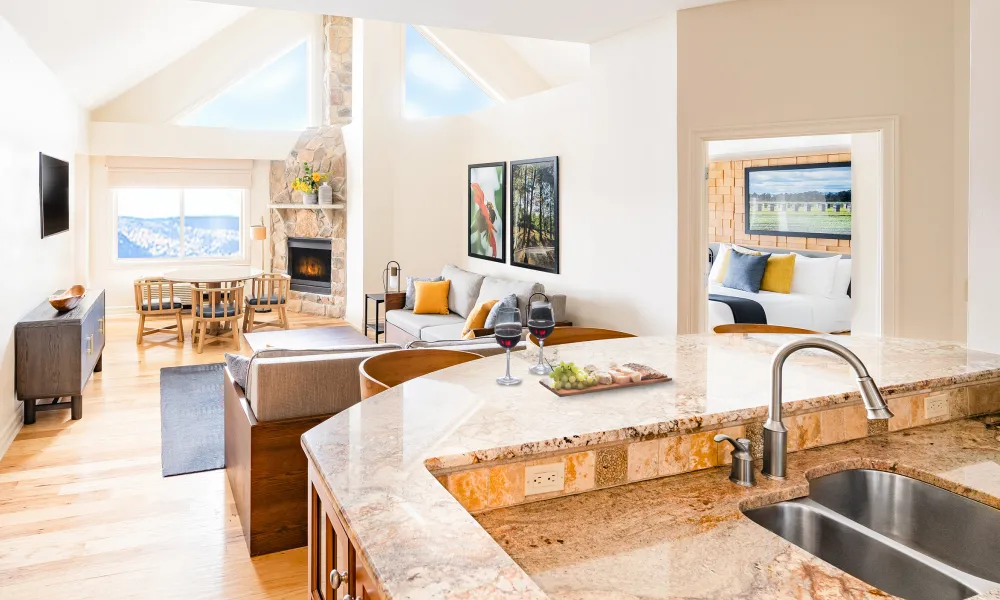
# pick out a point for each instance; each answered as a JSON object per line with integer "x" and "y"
{"x": 276, "y": 97}
{"x": 435, "y": 87}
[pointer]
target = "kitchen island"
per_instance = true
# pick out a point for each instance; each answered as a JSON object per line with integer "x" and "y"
{"x": 396, "y": 478}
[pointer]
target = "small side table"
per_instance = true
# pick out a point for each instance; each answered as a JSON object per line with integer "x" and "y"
{"x": 378, "y": 326}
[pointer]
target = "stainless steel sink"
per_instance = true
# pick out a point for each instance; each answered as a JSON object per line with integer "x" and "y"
{"x": 953, "y": 529}
{"x": 891, "y": 532}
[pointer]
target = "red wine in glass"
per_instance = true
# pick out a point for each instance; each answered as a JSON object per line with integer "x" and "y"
{"x": 541, "y": 329}
{"x": 508, "y": 334}
{"x": 541, "y": 324}
{"x": 508, "y": 338}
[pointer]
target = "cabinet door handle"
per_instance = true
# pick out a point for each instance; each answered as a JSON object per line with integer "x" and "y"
{"x": 348, "y": 597}
{"x": 90, "y": 344}
{"x": 337, "y": 578}
{"x": 101, "y": 323}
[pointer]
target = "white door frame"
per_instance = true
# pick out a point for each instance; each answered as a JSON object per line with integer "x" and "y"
{"x": 692, "y": 295}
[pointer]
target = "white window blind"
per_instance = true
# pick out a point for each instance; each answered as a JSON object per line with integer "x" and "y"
{"x": 142, "y": 172}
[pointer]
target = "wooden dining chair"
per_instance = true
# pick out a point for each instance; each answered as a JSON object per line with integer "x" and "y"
{"x": 389, "y": 369}
{"x": 219, "y": 304}
{"x": 268, "y": 292}
{"x": 757, "y": 328}
{"x": 154, "y": 298}
{"x": 572, "y": 335}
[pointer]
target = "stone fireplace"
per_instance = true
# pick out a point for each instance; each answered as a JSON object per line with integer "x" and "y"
{"x": 310, "y": 263}
{"x": 308, "y": 242}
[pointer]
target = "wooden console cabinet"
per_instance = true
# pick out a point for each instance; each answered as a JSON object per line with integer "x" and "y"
{"x": 55, "y": 353}
{"x": 336, "y": 571}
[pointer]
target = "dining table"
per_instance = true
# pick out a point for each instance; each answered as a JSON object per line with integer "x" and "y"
{"x": 213, "y": 275}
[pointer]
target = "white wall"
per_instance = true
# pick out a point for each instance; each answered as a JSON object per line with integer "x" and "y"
{"x": 755, "y": 62}
{"x": 613, "y": 133}
{"x": 36, "y": 115}
{"x": 381, "y": 110}
{"x": 984, "y": 209}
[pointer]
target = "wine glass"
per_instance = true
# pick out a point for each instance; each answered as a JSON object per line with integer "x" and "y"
{"x": 541, "y": 324}
{"x": 508, "y": 333}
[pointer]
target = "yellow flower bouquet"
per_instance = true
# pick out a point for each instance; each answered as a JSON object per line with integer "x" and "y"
{"x": 309, "y": 182}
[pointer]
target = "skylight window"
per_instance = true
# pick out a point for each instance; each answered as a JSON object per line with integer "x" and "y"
{"x": 275, "y": 97}
{"x": 435, "y": 87}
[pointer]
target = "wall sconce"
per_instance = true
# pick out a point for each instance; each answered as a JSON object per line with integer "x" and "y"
{"x": 391, "y": 277}
{"x": 258, "y": 233}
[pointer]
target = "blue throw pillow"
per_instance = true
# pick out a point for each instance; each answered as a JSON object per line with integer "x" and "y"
{"x": 509, "y": 301}
{"x": 745, "y": 271}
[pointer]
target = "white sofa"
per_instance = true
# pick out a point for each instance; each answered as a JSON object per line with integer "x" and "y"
{"x": 467, "y": 290}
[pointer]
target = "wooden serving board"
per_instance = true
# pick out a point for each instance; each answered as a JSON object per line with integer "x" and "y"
{"x": 601, "y": 388}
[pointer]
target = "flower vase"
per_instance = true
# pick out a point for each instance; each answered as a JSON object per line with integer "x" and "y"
{"x": 325, "y": 194}
{"x": 310, "y": 198}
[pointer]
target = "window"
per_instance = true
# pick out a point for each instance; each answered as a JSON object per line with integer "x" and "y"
{"x": 435, "y": 87}
{"x": 179, "y": 224}
{"x": 274, "y": 98}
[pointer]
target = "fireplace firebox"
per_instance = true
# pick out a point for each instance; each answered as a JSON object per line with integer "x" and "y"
{"x": 310, "y": 265}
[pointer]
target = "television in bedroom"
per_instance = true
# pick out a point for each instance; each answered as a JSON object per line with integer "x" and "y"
{"x": 53, "y": 190}
{"x": 799, "y": 200}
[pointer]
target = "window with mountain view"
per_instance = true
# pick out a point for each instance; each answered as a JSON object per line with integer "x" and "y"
{"x": 435, "y": 86}
{"x": 179, "y": 224}
{"x": 276, "y": 97}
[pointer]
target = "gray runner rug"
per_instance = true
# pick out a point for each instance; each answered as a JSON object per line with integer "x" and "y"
{"x": 192, "y": 422}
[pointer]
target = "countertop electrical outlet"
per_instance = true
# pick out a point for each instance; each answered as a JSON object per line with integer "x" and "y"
{"x": 540, "y": 479}
{"x": 936, "y": 406}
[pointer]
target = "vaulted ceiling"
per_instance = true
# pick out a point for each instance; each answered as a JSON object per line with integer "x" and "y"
{"x": 100, "y": 48}
{"x": 565, "y": 20}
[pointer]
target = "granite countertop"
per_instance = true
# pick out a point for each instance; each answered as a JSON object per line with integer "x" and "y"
{"x": 374, "y": 457}
{"x": 685, "y": 536}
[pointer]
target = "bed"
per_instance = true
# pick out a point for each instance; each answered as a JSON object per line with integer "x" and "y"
{"x": 804, "y": 311}
{"x": 827, "y": 315}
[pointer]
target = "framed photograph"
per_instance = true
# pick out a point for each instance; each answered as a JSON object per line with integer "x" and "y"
{"x": 487, "y": 211}
{"x": 799, "y": 200}
{"x": 534, "y": 214}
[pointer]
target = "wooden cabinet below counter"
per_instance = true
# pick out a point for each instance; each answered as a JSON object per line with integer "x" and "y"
{"x": 336, "y": 572}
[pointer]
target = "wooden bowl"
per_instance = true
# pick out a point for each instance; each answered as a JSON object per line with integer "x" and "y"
{"x": 68, "y": 299}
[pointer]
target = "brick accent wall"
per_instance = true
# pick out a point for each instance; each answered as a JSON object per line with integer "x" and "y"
{"x": 726, "y": 218}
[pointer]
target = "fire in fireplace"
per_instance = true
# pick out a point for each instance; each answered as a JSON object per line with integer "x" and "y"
{"x": 309, "y": 265}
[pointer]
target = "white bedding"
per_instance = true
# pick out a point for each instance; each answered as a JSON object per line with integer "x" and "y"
{"x": 818, "y": 313}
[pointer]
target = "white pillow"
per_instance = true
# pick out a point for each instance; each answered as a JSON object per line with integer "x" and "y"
{"x": 715, "y": 275}
{"x": 814, "y": 276}
{"x": 842, "y": 278}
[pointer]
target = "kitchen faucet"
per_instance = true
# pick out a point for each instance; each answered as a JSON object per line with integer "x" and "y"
{"x": 775, "y": 433}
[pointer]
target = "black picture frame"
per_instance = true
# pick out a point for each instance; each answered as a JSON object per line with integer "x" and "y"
{"x": 799, "y": 234}
{"x": 501, "y": 239}
{"x": 512, "y": 211}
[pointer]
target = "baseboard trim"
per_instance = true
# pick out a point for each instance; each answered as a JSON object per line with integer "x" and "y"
{"x": 12, "y": 429}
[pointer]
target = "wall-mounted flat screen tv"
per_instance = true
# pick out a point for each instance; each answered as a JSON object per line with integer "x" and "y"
{"x": 799, "y": 200}
{"x": 53, "y": 189}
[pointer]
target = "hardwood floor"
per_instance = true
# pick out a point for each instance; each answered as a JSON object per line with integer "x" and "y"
{"x": 85, "y": 512}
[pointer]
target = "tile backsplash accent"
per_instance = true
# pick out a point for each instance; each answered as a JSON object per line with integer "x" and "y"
{"x": 487, "y": 486}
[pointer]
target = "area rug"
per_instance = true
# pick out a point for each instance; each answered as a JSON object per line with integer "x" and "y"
{"x": 192, "y": 422}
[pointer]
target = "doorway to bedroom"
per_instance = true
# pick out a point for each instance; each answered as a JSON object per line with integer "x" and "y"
{"x": 783, "y": 220}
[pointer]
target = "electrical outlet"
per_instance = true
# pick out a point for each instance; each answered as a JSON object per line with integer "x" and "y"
{"x": 936, "y": 406}
{"x": 541, "y": 479}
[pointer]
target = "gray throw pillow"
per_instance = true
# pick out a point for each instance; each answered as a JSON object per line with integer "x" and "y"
{"x": 506, "y": 302}
{"x": 411, "y": 290}
{"x": 239, "y": 368}
{"x": 745, "y": 271}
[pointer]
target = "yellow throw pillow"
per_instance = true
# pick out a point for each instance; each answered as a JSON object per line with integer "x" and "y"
{"x": 431, "y": 297}
{"x": 778, "y": 274}
{"x": 725, "y": 260}
{"x": 477, "y": 318}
